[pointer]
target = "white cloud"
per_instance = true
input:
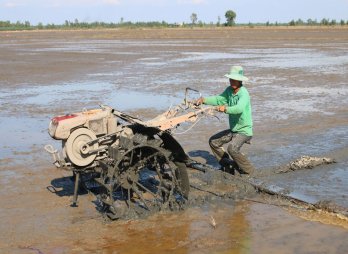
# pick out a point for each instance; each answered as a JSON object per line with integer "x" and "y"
{"x": 83, "y": 2}
{"x": 112, "y": 2}
{"x": 13, "y": 4}
{"x": 86, "y": 3}
{"x": 191, "y": 2}
{"x": 60, "y": 3}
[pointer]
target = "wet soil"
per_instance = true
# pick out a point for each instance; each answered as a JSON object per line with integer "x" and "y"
{"x": 298, "y": 84}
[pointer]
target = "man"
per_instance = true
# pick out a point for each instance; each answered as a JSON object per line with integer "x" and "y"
{"x": 234, "y": 101}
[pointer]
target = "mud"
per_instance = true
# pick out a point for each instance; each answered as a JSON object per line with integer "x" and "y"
{"x": 298, "y": 83}
{"x": 304, "y": 162}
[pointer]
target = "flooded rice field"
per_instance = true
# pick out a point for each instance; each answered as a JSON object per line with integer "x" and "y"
{"x": 298, "y": 86}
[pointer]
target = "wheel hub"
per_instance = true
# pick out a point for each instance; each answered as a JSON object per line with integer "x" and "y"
{"x": 77, "y": 149}
{"x": 127, "y": 178}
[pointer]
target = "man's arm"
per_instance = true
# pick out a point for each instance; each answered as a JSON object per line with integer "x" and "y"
{"x": 240, "y": 106}
{"x": 216, "y": 100}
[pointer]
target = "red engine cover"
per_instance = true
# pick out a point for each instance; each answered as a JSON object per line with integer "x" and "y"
{"x": 57, "y": 119}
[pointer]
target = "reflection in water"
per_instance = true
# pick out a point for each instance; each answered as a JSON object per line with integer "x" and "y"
{"x": 239, "y": 231}
{"x": 273, "y": 231}
{"x": 55, "y": 96}
{"x": 187, "y": 232}
{"x": 241, "y": 228}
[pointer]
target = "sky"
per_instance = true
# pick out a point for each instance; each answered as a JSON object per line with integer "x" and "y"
{"x": 172, "y": 11}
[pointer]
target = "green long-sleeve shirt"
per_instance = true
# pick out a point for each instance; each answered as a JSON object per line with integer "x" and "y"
{"x": 238, "y": 108}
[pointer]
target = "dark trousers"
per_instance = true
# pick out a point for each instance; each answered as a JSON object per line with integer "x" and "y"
{"x": 236, "y": 141}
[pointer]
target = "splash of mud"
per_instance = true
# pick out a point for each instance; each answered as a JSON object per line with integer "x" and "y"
{"x": 307, "y": 162}
{"x": 304, "y": 162}
{"x": 221, "y": 186}
{"x": 323, "y": 216}
{"x": 210, "y": 186}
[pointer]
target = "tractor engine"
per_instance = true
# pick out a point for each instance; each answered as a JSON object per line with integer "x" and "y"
{"x": 84, "y": 135}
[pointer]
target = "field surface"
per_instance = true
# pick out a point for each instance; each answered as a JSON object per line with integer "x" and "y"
{"x": 299, "y": 90}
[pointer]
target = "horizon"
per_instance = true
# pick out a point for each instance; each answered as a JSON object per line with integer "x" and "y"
{"x": 170, "y": 11}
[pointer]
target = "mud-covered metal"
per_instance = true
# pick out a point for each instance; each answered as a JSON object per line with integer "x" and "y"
{"x": 140, "y": 168}
{"x": 139, "y": 165}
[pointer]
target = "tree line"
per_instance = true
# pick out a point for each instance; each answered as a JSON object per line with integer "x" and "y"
{"x": 229, "y": 15}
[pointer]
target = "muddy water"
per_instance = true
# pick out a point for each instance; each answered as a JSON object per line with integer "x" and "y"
{"x": 298, "y": 84}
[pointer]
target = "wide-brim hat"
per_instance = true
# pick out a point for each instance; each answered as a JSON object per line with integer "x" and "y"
{"x": 237, "y": 73}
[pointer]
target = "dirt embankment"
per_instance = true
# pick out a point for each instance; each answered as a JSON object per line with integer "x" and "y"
{"x": 264, "y": 33}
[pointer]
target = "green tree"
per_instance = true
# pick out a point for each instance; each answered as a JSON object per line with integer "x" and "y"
{"x": 76, "y": 22}
{"x": 312, "y": 22}
{"x": 193, "y": 18}
{"x": 5, "y": 23}
{"x": 292, "y": 23}
{"x": 299, "y": 22}
{"x": 230, "y": 17}
{"x": 324, "y": 22}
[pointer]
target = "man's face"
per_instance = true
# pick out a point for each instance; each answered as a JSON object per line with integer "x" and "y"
{"x": 234, "y": 84}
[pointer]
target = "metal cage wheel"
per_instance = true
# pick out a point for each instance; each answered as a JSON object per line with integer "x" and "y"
{"x": 143, "y": 180}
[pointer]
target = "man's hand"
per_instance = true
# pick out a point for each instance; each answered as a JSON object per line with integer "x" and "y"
{"x": 199, "y": 101}
{"x": 221, "y": 108}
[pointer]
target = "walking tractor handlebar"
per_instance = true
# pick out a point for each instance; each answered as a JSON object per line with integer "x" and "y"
{"x": 188, "y": 111}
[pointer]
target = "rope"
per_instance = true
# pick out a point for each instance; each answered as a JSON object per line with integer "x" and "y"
{"x": 193, "y": 125}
